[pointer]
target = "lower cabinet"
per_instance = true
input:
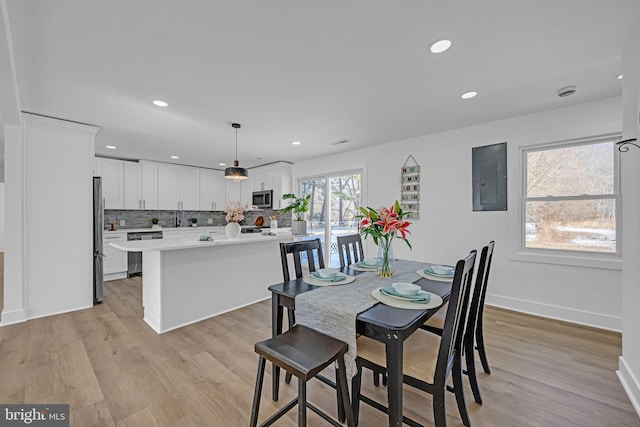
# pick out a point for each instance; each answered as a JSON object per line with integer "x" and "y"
{"x": 115, "y": 261}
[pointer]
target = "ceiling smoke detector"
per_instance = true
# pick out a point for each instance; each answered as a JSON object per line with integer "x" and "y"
{"x": 344, "y": 141}
{"x": 566, "y": 91}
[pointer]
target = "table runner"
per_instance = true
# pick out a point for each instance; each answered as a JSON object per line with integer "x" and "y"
{"x": 332, "y": 310}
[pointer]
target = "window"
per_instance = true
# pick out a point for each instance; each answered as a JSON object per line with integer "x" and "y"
{"x": 570, "y": 199}
{"x": 333, "y": 209}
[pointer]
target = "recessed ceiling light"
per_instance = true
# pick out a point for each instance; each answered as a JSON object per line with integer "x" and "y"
{"x": 295, "y": 143}
{"x": 440, "y": 46}
{"x": 468, "y": 95}
{"x": 258, "y": 158}
{"x": 619, "y": 76}
{"x": 222, "y": 164}
{"x": 110, "y": 147}
{"x": 175, "y": 157}
{"x": 160, "y": 103}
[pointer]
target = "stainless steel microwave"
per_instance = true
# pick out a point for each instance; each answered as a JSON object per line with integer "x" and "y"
{"x": 263, "y": 199}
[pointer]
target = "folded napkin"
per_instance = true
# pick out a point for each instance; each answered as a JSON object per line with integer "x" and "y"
{"x": 421, "y": 297}
{"x": 339, "y": 277}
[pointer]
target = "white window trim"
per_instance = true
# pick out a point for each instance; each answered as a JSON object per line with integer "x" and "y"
{"x": 517, "y": 191}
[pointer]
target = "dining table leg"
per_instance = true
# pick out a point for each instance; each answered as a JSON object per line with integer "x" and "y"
{"x": 393, "y": 348}
{"x": 276, "y": 329}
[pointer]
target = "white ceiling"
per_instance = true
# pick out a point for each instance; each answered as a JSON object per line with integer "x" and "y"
{"x": 313, "y": 71}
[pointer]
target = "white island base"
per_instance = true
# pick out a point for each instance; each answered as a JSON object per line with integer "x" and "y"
{"x": 184, "y": 283}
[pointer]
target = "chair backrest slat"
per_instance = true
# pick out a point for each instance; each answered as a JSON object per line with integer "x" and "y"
{"x": 350, "y": 249}
{"x": 453, "y": 331}
{"x": 313, "y": 250}
{"x": 479, "y": 290}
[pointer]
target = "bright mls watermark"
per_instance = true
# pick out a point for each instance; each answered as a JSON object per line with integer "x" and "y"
{"x": 34, "y": 415}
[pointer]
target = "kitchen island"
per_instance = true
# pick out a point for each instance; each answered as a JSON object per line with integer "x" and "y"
{"x": 186, "y": 280}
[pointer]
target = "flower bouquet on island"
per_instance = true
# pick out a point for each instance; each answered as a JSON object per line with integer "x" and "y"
{"x": 383, "y": 226}
{"x": 235, "y": 211}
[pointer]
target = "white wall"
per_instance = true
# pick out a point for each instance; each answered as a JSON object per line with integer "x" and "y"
{"x": 2, "y": 222}
{"x": 448, "y": 228}
{"x": 49, "y": 265}
{"x": 630, "y": 360}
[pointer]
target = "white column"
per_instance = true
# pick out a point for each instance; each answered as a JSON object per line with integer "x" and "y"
{"x": 49, "y": 256}
{"x": 629, "y": 366}
{"x": 14, "y": 287}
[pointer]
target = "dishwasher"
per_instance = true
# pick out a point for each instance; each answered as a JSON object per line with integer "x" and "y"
{"x": 135, "y": 258}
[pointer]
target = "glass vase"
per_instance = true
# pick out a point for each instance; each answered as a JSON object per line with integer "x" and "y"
{"x": 386, "y": 261}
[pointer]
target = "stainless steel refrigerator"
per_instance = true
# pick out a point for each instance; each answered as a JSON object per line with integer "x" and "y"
{"x": 98, "y": 226}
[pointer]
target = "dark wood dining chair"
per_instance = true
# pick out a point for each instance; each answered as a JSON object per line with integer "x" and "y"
{"x": 294, "y": 250}
{"x": 350, "y": 249}
{"x": 304, "y": 352}
{"x": 428, "y": 360}
{"x": 473, "y": 337}
{"x": 312, "y": 249}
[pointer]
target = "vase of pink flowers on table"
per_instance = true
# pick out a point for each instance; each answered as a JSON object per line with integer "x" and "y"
{"x": 235, "y": 213}
{"x": 383, "y": 226}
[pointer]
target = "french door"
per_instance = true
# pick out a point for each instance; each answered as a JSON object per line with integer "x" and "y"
{"x": 335, "y": 203}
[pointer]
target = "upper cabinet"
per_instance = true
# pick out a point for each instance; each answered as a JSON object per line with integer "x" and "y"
{"x": 178, "y": 187}
{"x": 282, "y": 183}
{"x": 262, "y": 178}
{"x": 148, "y": 185}
{"x": 132, "y": 199}
{"x": 212, "y": 190}
{"x": 111, "y": 172}
{"x": 140, "y": 186}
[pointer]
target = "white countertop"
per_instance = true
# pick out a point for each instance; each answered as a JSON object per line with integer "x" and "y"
{"x": 188, "y": 243}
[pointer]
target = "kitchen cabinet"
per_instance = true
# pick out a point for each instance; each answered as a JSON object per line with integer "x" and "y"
{"x": 111, "y": 172}
{"x": 278, "y": 178}
{"x": 131, "y": 173}
{"x": 149, "y": 185}
{"x": 140, "y": 186}
{"x": 262, "y": 178}
{"x": 178, "y": 187}
{"x": 114, "y": 261}
{"x": 212, "y": 190}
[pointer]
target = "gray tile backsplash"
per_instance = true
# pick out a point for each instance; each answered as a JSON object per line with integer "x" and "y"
{"x": 142, "y": 219}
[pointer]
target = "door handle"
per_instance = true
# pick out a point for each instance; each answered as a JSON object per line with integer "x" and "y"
{"x": 144, "y": 204}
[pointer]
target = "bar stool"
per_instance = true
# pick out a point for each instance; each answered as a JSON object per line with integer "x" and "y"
{"x": 303, "y": 352}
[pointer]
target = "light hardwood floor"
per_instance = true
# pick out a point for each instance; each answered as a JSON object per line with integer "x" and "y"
{"x": 114, "y": 370}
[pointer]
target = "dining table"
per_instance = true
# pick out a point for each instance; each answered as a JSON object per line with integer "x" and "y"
{"x": 381, "y": 322}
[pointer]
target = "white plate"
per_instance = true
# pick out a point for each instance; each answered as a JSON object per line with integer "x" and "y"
{"x": 434, "y": 302}
{"x": 316, "y": 275}
{"x": 433, "y": 277}
{"x": 320, "y": 282}
{"x": 431, "y": 271}
{"x": 361, "y": 267}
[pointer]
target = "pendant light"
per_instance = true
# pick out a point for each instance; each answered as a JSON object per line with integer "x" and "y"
{"x": 236, "y": 173}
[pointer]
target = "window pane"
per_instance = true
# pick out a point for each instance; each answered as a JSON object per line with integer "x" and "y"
{"x": 578, "y": 225}
{"x": 571, "y": 171}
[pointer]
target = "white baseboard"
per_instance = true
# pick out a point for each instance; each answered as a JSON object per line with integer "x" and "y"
{"x": 630, "y": 383}
{"x": 154, "y": 323}
{"x": 12, "y": 317}
{"x": 587, "y": 318}
{"x": 115, "y": 276}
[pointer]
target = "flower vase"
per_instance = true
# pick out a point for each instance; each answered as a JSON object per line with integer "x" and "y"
{"x": 386, "y": 261}
{"x": 232, "y": 229}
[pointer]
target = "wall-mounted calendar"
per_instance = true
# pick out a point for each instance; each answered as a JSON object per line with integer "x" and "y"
{"x": 410, "y": 191}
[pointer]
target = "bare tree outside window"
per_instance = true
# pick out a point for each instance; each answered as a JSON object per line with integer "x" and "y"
{"x": 571, "y": 198}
